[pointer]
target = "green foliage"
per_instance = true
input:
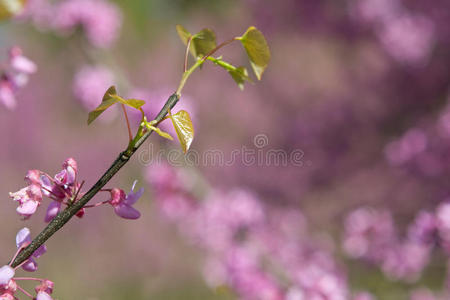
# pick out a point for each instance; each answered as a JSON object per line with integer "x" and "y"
{"x": 257, "y": 50}
{"x": 239, "y": 74}
{"x": 110, "y": 98}
{"x": 202, "y": 42}
{"x": 184, "y": 128}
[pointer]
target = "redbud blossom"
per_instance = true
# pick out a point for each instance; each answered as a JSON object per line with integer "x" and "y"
{"x": 21, "y": 63}
{"x": 6, "y": 274}
{"x": 29, "y": 199}
{"x": 23, "y": 239}
{"x": 122, "y": 203}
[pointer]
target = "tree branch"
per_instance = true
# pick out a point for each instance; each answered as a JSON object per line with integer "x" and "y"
{"x": 63, "y": 217}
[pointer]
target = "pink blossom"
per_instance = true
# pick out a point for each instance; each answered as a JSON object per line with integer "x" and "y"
{"x": 123, "y": 204}
{"x": 6, "y": 274}
{"x": 408, "y": 38}
{"x": 45, "y": 286}
{"x": 29, "y": 199}
{"x": 7, "y": 97}
{"x": 43, "y": 296}
{"x": 53, "y": 209}
{"x": 100, "y": 20}
{"x": 20, "y": 63}
{"x": 67, "y": 176}
{"x": 23, "y": 239}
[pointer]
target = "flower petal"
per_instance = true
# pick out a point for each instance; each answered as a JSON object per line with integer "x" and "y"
{"x": 27, "y": 208}
{"x": 23, "y": 236}
{"x": 126, "y": 212}
{"x": 132, "y": 197}
{"x": 43, "y": 296}
{"x": 6, "y": 273}
{"x": 30, "y": 265}
{"x": 53, "y": 209}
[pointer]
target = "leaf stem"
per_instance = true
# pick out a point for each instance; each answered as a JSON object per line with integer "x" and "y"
{"x": 128, "y": 122}
{"x": 186, "y": 55}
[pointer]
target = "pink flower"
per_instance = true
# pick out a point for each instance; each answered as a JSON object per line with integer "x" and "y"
{"x": 29, "y": 199}
{"x": 67, "y": 176}
{"x": 43, "y": 296}
{"x": 23, "y": 239}
{"x": 45, "y": 286}
{"x": 123, "y": 204}
{"x": 6, "y": 274}
{"x": 408, "y": 38}
{"x": 19, "y": 62}
{"x": 100, "y": 20}
{"x": 7, "y": 94}
{"x": 52, "y": 210}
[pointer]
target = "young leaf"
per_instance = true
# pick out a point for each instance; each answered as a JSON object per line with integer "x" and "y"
{"x": 183, "y": 34}
{"x": 107, "y": 101}
{"x": 183, "y": 126}
{"x": 240, "y": 75}
{"x": 9, "y": 8}
{"x": 257, "y": 50}
{"x": 203, "y": 42}
{"x": 135, "y": 103}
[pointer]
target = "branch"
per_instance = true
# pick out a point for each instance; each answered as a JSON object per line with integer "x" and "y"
{"x": 63, "y": 217}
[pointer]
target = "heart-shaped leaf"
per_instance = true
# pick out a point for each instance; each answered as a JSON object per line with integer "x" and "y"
{"x": 240, "y": 74}
{"x": 183, "y": 127}
{"x": 134, "y": 103}
{"x": 257, "y": 50}
{"x": 107, "y": 101}
{"x": 111, "y": 98}
{"x": 202, "y": 42}
{"x": 183, "y": 34}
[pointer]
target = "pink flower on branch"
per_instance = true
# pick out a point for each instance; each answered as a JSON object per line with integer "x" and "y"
{"x": 123, "y": 204}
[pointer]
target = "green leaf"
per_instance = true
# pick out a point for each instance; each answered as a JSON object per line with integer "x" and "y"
{"x": 101, "y": 108}
{"x": 111, "y": 98}
{"x": 107, "y": 101}
{"x": 239, "y": 75}
{"x": 257, "y": 50}
{"x": 10, "y": 8}
{"x": 202, "y": 42}
{"x": 183, "y": 34}
{"x": 183, "y": 126}
{"x": 135, "y": 103}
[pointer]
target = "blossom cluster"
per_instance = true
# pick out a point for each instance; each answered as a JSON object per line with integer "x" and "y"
{"x": 9, "y": 282}
{"x": 371, "y": 235}
{"x": 64, "y": 189}
{"x": 408, "y": 37}
{"x": 100, "y": 20}
{"x": 260, "y": 253}
{"x": 14, "y": 75}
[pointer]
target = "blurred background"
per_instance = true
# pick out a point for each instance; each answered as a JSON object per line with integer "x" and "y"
{"x": 359, "y": 88}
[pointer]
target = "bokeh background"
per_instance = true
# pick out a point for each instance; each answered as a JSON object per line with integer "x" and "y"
{"x": 360, "y": 87}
